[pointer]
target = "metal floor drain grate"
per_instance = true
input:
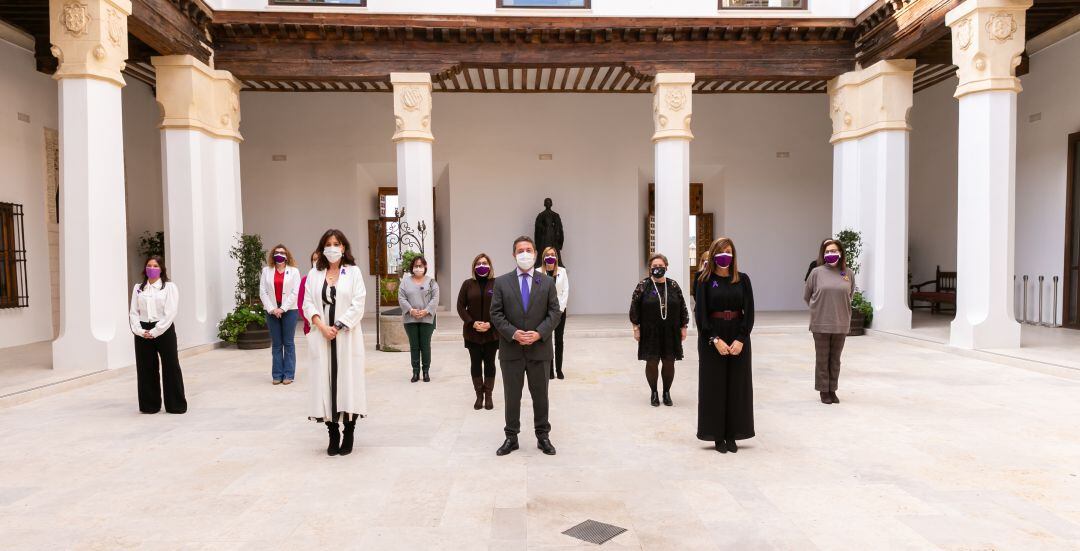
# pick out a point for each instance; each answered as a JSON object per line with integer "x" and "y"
{"x": 594, "y": 532}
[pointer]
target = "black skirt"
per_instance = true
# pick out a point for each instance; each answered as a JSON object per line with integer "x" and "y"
{"x": 725, "y": 392}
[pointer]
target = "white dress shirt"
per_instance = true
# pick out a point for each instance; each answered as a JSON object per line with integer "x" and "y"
{"x": 157, "y": 302}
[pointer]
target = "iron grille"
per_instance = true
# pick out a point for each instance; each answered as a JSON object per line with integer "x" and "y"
{"x": 13, "y": 284}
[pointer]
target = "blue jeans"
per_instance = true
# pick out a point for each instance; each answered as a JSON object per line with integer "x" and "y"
{"x": 282, "y": 349}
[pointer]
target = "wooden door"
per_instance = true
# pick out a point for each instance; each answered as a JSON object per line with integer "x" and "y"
{"x": 1071, "y": 315}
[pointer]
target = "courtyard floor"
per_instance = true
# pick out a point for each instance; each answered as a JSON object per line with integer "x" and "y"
{"x": 929, "y": 449}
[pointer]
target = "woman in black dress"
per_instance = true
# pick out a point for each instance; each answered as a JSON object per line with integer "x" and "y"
{"x": 725, "y": 316}
{"x": 660, "y": 317}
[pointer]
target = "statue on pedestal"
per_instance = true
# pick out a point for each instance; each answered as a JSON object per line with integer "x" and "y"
{"x": 549, "y": 232}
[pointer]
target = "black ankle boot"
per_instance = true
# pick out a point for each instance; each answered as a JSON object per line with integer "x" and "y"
{"x": 347, "y": 437}
{"x": 721, "y": 446}
{"x": 732, "y": 446}
{"x": 654, "y": 399}
{"x": 415, "y": 377}
{"x": 558, "y": 374}
{"x": 551, "y": 373}
{"x": 667, "y": 398}
{"x": 335, "y": 439}
{"x": 427, "y": 378}
{"x": 826, "y": 398}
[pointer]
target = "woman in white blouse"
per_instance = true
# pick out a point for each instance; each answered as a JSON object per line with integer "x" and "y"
{"x": 552, "y": 266}
{"x": 334, "y": 302}
{"x": 153, "y": 309}
{"x": 279, "y": 285}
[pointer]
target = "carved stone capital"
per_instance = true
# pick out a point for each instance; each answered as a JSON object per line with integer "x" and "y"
{"x": 412, "y": 106}
{"x": 870, "y": 100}
{"x": 672, "y": 106}
{"x": 89, "y": 38}
{"x": 194, "y": 96}
{"x": 987, "y": 41}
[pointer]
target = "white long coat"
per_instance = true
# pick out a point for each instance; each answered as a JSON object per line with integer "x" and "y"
{"x": 349, "y": 310}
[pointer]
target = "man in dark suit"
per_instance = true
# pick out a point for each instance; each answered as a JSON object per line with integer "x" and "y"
{"x": 524, "y": 312}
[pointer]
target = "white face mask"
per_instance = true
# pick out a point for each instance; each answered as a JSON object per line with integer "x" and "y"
{"x": 525, "y": 260}
{"x": 333, "y": 254}
{"x": 418, "y": 271}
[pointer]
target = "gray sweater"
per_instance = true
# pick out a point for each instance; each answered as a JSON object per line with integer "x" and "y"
{"x": 424, "y": 296}
{"x": 829, "y": 295}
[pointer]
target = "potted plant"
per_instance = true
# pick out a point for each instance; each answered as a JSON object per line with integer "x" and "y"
{"x": 246, "y": 325}
{"x": 862, "y": 312}
{"x": 151, "y": 244}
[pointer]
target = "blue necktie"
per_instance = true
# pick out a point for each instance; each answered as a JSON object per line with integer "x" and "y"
{"x": 525, "y": 290}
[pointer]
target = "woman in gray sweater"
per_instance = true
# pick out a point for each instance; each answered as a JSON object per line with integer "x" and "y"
{"x": 418, "y": 296}
{"x": 828, "y": 292}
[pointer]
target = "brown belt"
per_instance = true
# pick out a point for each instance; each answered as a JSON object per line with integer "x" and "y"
{"x": 726, "y": 315}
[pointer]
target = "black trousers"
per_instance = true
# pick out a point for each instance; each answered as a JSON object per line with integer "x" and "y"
{"x": 514, "y": 373}
{"x": 559, "y": 330}
{"x": 147, "y": 352}
{"x": 482, "y": 359}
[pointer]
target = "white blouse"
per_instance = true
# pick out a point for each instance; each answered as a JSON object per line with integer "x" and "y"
{"x": 157, "y": 302}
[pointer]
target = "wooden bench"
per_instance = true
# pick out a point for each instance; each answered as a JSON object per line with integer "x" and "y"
{"x": 944, "y": 292}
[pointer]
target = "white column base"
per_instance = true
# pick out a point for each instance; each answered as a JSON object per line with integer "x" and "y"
{"x": 416, "y": 191}
{"x": 95, "y": 332}
{"x": 985, "y": 245}
{"x": 672, "y": 166}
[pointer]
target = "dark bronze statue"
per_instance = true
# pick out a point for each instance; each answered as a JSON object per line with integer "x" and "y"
{"x": 549, "y": 231}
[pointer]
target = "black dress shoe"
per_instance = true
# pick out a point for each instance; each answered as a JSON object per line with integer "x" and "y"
{"x": 832, "y": 395}
{"x": 544, "y": 444}
{"x": 667, "y": 399}
{"x": 558, "y": 374}
{"x": 427, "y": 378}
{"x": 415, "y": 377}
{"x": 826, "y": 398}
{"x": 551, "y": 373}
{"x": 508, "y": 446}
{"x": 731, "y": 446}
{"x": 721, "y": 446}
{"x": 654, "y": 399}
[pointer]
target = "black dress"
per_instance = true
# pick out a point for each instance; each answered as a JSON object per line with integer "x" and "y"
{"x": 660, "y": 338}
{"x": 725, "y": 389}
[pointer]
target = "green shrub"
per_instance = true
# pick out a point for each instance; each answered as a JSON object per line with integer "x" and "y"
{"x": 230, "y": 328}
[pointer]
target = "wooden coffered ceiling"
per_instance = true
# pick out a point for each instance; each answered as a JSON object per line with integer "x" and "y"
{"x": 351, "y": 52}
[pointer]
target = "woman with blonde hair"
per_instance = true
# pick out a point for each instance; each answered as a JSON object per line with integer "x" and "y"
{"x": 552, "y": 266}
{"x": 279, "y": 286}
{"x": 724, "y": 311}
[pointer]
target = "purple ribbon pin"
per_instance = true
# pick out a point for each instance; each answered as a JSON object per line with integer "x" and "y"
{"x": 715, "y": 284}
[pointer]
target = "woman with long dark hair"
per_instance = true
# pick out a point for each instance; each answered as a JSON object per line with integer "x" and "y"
{"x": 724, "y": 310}
{"x": 828, "y": 292}
{"x": 334, "y": 303}
{"x": 154, "y": 303}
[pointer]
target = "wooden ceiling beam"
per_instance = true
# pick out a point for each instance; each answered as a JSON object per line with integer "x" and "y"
{"x": 167, "y": 29}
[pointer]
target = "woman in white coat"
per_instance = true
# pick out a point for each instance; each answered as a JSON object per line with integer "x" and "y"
{"x": 279, "y": 285}
{"x": 334, "y": 303}
{"x": 553, "y": 267}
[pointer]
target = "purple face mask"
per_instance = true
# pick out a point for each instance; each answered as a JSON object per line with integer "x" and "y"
{"x": 153, "y": 273}
{"x": 549, "y": 260}
{"x": 280, "y": 258}
{"x": 483, "y": 271}
{"x": 723, "y": 260}
{"x": 832, "y": 258}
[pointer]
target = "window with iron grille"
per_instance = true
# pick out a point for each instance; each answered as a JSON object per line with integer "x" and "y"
{"x": 578, "y": 4}
{"x": 350, "y": 3}
{"x": 13, "y": 291}
{"x": 764, "y": 4}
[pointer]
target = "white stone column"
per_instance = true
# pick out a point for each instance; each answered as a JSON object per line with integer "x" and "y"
{"x": 200, "y": 173}
{"x": 987, "y": 41}
{"x": 869, "y": 109}
{"x": 672, "y": 109}
{"x": 413, "y": 138}
{"x": 89, "y": 38}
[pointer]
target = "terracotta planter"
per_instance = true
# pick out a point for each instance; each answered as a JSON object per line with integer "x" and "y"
{"x": 255, "y": 336}
{"x": 858, "y": 324}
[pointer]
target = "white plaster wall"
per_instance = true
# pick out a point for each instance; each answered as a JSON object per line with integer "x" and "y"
{"x": 142, "y": 170}
{"x": 487, "y": 163}
{"x": 22, "y": 156}
{"x": 1051, "y": 90}
{"x": 932, "y": 182}
{"x": 654, "y": 8}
